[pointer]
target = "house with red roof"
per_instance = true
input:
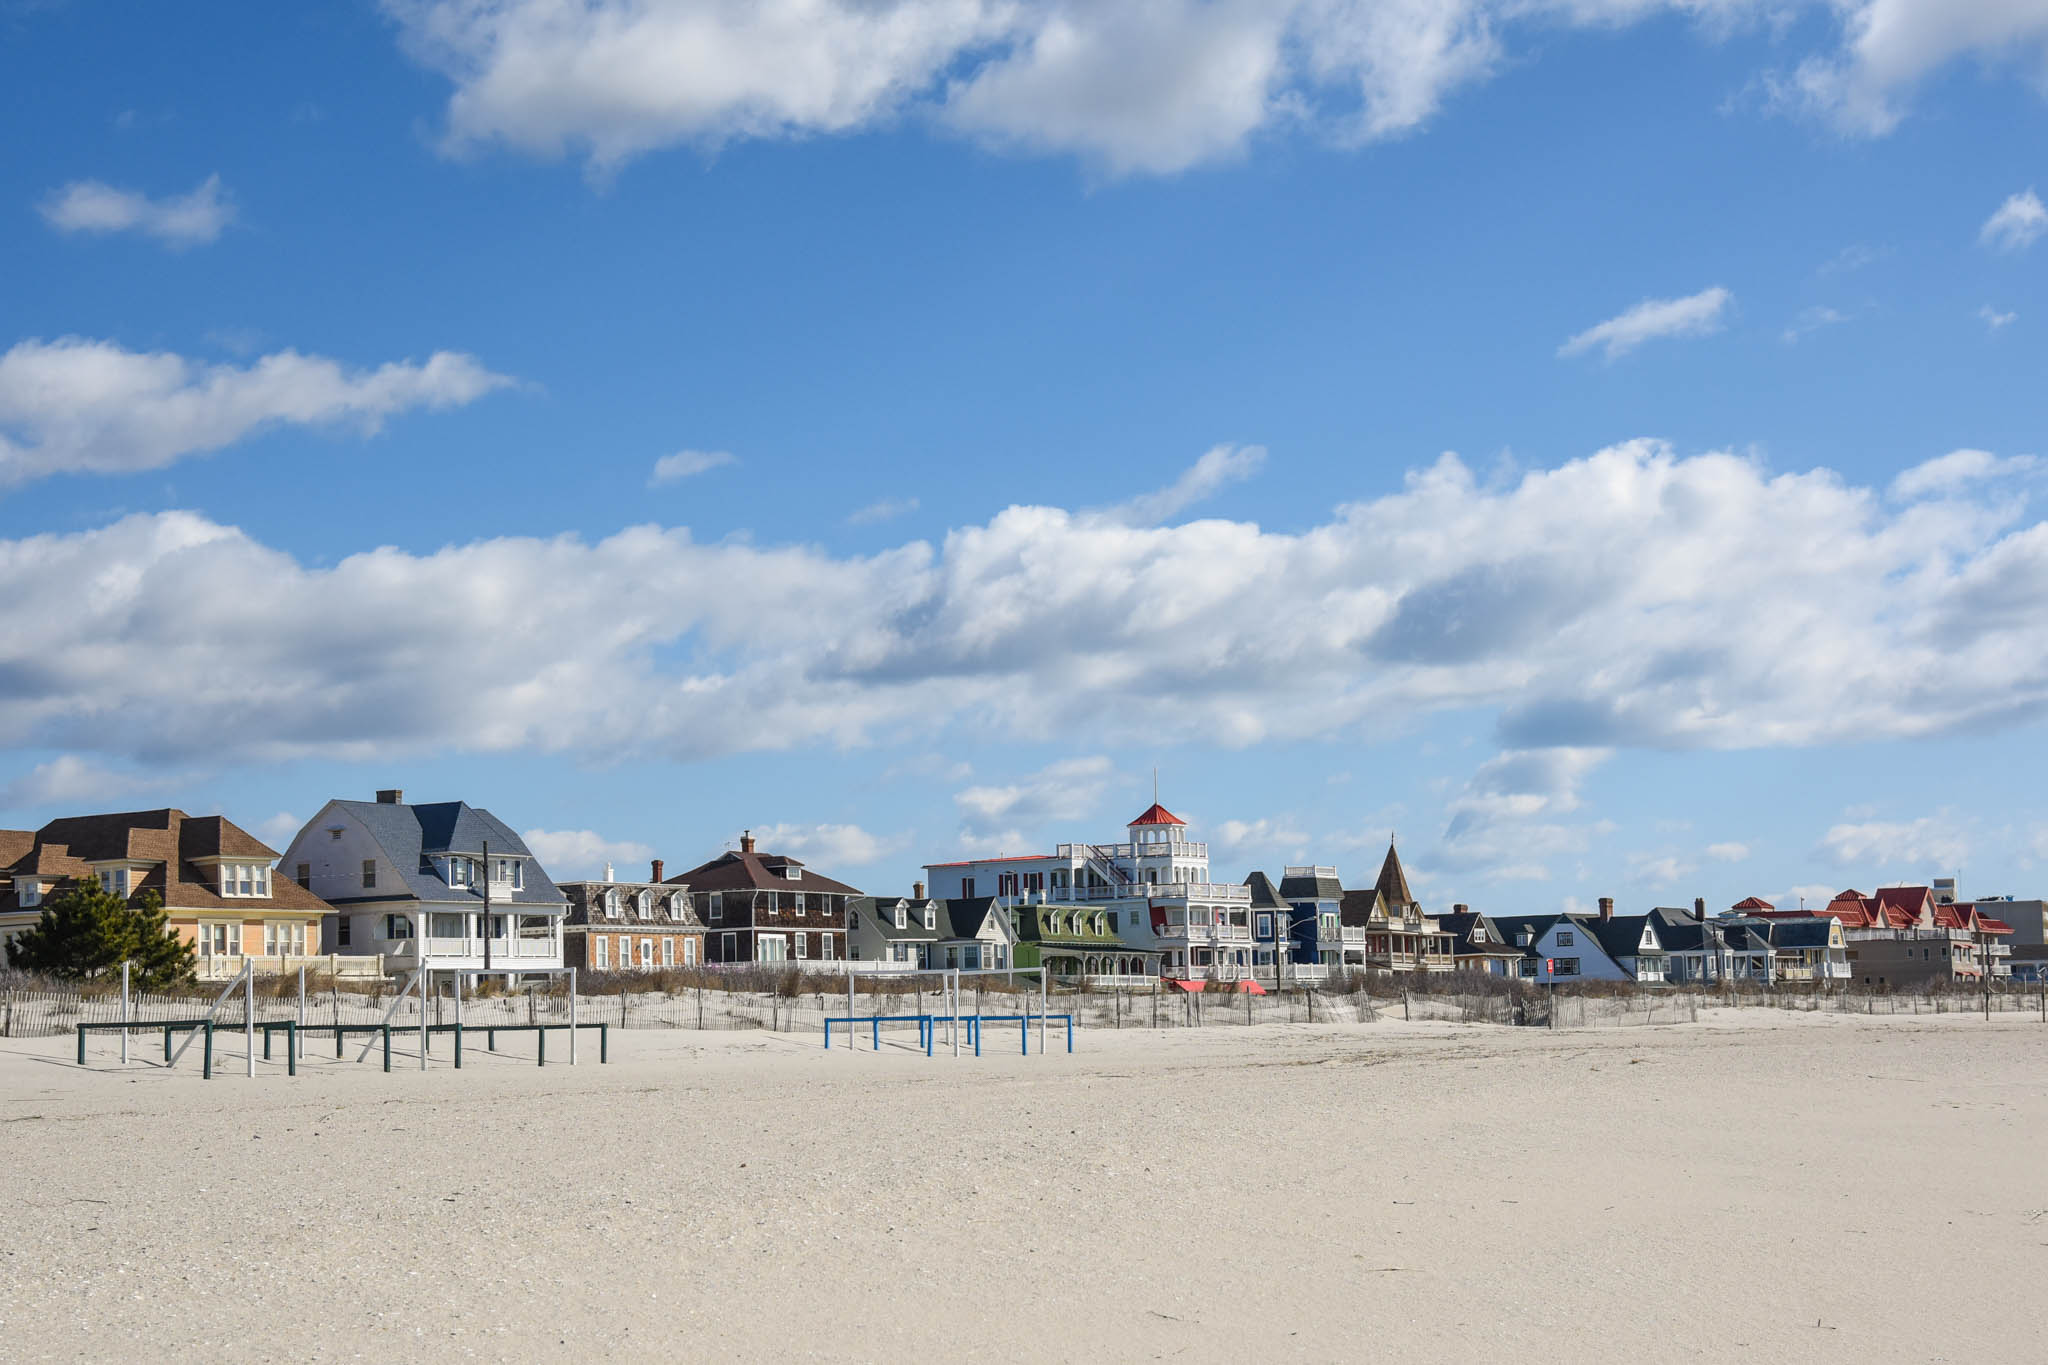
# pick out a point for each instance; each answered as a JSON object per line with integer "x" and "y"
{"x": 1153, "y": 886}
{"x": 1911, "y": 937}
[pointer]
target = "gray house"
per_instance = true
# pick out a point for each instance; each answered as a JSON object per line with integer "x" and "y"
{"x": 410, "y": 884}
{"x": 900, "y": 932}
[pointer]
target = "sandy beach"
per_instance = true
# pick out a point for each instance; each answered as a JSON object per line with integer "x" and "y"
{"x": 1783, "y": 1187}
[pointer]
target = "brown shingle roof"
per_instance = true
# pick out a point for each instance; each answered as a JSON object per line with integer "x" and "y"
{"x": 64, "y": 850}
{"x": 743, "y": 871}
{"x": 1393, "y": 882}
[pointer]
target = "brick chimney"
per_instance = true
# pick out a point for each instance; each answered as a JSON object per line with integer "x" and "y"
{"x": 1699, "y": 909}
{"x": 917, "y": 891}
{"x": 746, "y": 841}
{"x": 1607, "y": 907}
{"x": 1461, "y": 909}
{"x": 391, "y": 796}
{"x": 655, "y": 874}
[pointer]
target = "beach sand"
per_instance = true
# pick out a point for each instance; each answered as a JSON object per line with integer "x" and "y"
{"x": 1783, "y": 1188}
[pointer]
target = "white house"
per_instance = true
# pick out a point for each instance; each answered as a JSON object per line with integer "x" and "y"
{"x": 1155, "y": 886}
{"x": 411, "y": 883}
{"x": 1559, "y": 948}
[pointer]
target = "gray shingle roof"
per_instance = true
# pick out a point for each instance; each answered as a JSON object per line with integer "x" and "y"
{"x": 411, "y": 835}
{"x": 1265, "y": 896}
{"x": 1314, "y": 888}
{"x": 879, "y": 913}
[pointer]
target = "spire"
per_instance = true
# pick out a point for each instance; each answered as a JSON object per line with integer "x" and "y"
{"x": 1393, "y": 882}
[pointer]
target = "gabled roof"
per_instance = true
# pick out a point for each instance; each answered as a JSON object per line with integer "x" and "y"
{"x": 1393, "y": 882}
{"x": 967, "y": 916}
{"x": 1265, "y": 896}
{"x": 740, "y": 870}
{"x": 1622, "y": 935}
{"x": 411, "y": 835}
{"x": 1810, "y": 931}
{"x": 1460, "y": 924}
{"x": 65, "y": 850}
{"x": 879, "y": 913}
{"x": 1677, "y": 930}
{"x": 1156, "y": 814}
{"x": 1754, "y": 903}
{"x": 1360, "y": 907}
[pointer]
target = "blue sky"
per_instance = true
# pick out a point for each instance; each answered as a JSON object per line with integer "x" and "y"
{"x": 1064, "y": 391}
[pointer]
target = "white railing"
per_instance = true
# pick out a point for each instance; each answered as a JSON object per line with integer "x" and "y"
{"x": 1306, "y": 870}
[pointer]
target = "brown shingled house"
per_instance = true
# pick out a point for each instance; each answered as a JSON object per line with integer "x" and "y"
{"x": 766, "y": 907}
{"x": 214, "y": 877}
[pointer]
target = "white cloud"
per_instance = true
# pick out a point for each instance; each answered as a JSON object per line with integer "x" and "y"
{"x": 1945, "y": 474}
{"x": 1006, "y": 817}
{"x": 828, "y": 846}
{"x": 1507, "y": 821}
{"x": 78, "y": 406}
{"x": 70, "y": 780}
{"x": 2018, "y": 223}
{"x": 1237, "y": 838}
{"x": 1728, "y": 853}
{"x": 1657, "y": 869}
{"x": 886, "y": 509}
{"x": 1811, "y": 320}
{"x": 1631, "y": 598}
{"x": 685, "y": 464}
{"x": 1218, "y": 467}
{"x": 279, "y": 830}
{"x": 1932, "y": 841}
{"x": 1144, "y": 86}
{"x": 1889, "y": 47}
{"x": 1694, "y": 315}
{"x": 1994, "y": 319}
{"x": 578, "y": 854}
{"x": 179, "y": 221}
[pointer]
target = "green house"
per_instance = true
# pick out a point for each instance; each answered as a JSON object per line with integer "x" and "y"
{"x": 1075, "y": 941}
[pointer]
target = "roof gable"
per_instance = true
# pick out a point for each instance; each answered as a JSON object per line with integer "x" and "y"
{"x": 1156, "y": 814}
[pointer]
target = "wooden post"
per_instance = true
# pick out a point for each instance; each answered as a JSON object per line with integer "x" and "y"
{"x": 572, "y": 1016}
{"x": 300, "y": 1032}
{"x": 124, "y": 1020}
{"x": 249, "y": 1015}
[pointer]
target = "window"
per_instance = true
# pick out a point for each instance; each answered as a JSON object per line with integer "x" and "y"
{"x": 220, "y": 940}
{"x": 305, "y": 877}
{"x": 334, "y": 834}
{"x": 931, "y": 917}
{"x": 797, "y": 902}
{"x": 283, "y": 940}
{"x": 370, "y": 880}
{"x": 802, "y": 945}
{"x": 600, "y": 952}
{"x": 793, "y": 872}
{"x": 1564, "y": 938}
{"x": 717, "y": 910}
{"x": 1265, "y": 925}
{"x": 825, "y": 947}
{"x": 646, "y": 904}
{"x": 245, "y": 881}
{"x": 689, "y": 952}
{"x": 1564, "y": 966}
{"x": 29, "y": 892}
{"x": 902, "y": 916}
{"x": 398, "y": 926}
{"x": 967, "y": 887}
{"x": 770, "y": 948}
{"x": 611, "y": 904}
{"x": 668, "y": 952}
{"x": 115, "y": 879}
{"x": 726, "y": 950}
{"x": 341, "y": 931}
{"x": 677, "y": 907}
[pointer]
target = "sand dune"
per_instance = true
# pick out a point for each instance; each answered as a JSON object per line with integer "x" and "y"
{"x": 1794, "y": 1188}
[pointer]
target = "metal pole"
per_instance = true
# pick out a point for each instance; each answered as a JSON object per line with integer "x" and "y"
{"x": 954, "y": 1027}
{"x": 487, "y": 907}
{"x": 1044, "y": 1001}
{"x": 249, "y": 1015}
{"x": 423, "y": 990}
{"x": 300, "y": 1031}
{"x": 572, "y": 1016}
{"x": 124, "y": 1020}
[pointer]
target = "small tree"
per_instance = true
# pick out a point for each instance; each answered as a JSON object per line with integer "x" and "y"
{"x": 87, "y": 932}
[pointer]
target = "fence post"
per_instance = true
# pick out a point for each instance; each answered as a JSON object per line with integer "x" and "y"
{"x": 572, "y": 1014}
{"x": 124, "y": 1020}
{"x": 249, "y": 1015}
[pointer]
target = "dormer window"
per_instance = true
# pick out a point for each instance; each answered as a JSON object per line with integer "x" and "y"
{"x": 115, "y": 880}
{"x": 793, "y": 872}
{"x": 611, "y": 904}
{"x": 646, "y": 905}
{"x": 28, "y": 892}
{"x": 931, "y": 918}
{"x": 676, "y": 905}
{"x": 900, "y": 916}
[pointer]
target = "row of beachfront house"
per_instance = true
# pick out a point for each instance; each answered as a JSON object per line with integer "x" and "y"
{"x": 387, "y": 887}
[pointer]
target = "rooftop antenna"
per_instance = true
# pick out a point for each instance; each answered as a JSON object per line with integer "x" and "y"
{"x": 1155, "y": 784}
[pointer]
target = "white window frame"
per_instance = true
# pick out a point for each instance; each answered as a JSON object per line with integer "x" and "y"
{"x": 902, "y": 917}
{"x": 644, "y": 903}
{"x": 799, "y": 905}
{"x": 600, "y": 952}
{"x": 802, "y": 946}
{"x": 824, "y": 947}
{"x": 714, "y": 907}
{"x": 668, "y": 950}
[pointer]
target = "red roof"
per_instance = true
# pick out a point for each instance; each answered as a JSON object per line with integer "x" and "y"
{"x": 1993, "y": 926}
{"x": 1754, "y": 903}
{"x": 1158, "y": 815}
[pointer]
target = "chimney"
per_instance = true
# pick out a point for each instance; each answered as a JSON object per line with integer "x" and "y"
{"x": 1699, "y": 909}
{"x": 1461, "y": 909}
{"x": 655, "y": 874}
{"x": 917, "y": 891}
{"x": 391, "y": 796}
{"x": 746, "y": 841}
{"x": 1607, "y": 907}
{"x": 607, "y": 871}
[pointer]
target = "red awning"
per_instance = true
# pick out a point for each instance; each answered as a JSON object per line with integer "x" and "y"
{"x": 1250, "y": 987}
{"x": 1191, "y": 987}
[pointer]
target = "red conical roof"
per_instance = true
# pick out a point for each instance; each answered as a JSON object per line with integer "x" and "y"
{"x": 1158, "y": 815}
